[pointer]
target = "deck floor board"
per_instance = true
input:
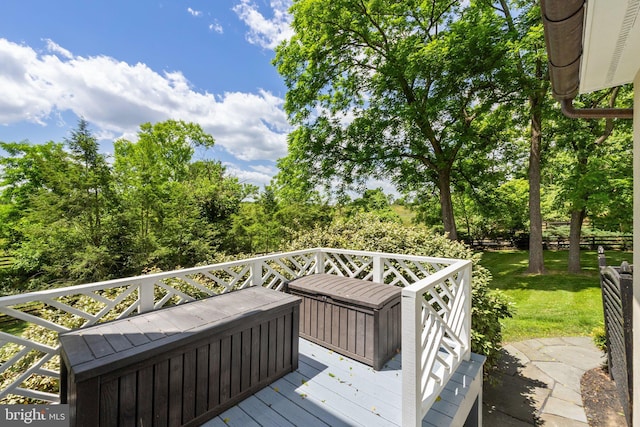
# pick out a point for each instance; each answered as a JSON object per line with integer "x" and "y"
{"x": 329, "y": 389}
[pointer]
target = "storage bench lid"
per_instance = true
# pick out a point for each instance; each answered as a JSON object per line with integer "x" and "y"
{"x": 89, "y": 351}
{"x": 354, "y": 291}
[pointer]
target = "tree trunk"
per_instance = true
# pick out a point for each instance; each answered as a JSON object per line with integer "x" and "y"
{"x": 446, "y": 204}
{"x": 536, "y": 256}
{"x": 575, "y": 232}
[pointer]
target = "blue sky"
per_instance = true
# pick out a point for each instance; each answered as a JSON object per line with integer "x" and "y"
{"x": 120, "y": 63}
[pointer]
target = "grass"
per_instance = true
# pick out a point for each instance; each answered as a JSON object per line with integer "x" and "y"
{"x": 553, "y": 304}
{"x": 14, "y": 327}
{"x": 406, "y": 215}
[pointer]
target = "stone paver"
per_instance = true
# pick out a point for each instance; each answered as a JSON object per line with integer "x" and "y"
{"x": 539, "y": 383}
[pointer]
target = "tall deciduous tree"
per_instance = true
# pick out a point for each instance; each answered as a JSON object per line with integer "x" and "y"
{"x": 150, "y": 174}
{"x": 585, "y": 160}
{"x": 523, "y": 24}
{"x": 389, "y": 89}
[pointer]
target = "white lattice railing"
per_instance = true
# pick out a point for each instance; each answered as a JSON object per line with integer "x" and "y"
{"x": 436, "y": 336}
{"x": 29, "y": 361}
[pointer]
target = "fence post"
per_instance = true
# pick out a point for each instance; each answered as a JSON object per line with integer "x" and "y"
{"x": 145, "y": 295}
{"x": 602, "y": 259}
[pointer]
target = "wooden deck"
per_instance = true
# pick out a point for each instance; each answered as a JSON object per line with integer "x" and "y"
{"x": 332, "y": 390}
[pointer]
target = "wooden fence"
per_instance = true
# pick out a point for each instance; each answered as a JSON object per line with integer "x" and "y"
{"x": 556, "y": 242}
{"x": 617, "y": 296}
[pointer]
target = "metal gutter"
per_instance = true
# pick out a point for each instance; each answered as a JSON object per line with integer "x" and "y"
{"x": 563, "y": 22}
{"x": 594, "y": 113}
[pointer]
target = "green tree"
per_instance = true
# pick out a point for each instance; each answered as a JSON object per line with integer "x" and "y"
{"x": 390, "y": 89}
{"x": 267, "y": 223}
{"x": 585, "y": 157}
{"x": 34, "y": 182}
{"x": 90, "y": 182}
{"x": 523, "y": 27}
{"x": 60, "y": 203}
{"x": 374, "y": 201}
{"x": 150, "y": 174}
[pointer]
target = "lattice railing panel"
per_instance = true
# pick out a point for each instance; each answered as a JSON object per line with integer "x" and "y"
{"x": 277, "y": 271}
{"x": 29, "y": 361}
{"x": 349, "y": 265}
{"x": 436, "y": 316}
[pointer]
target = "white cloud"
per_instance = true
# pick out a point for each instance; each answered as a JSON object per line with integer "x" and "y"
{"x": 116, "y": 97}
{"x": 263, "y": 31}
{"x": 216, "y": 27}
{"x": 194, "y": 12}
{"x": 258, "y": 176}
{"x": 56, "y": 48}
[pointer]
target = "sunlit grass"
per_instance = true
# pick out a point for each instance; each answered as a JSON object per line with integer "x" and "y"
{"x": 553, "y": 304}
{"x": 15, "y": 327}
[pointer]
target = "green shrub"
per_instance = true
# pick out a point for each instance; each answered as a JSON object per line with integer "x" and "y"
{"x": 600, "y": 338}
{"x": 367, "y": 232}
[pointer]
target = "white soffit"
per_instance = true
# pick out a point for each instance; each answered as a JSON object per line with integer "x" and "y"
{"x": 611, "y": 44}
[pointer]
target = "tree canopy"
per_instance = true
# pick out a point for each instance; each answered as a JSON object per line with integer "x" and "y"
{"x": 71, "y": 215}
{"x": 394, "y": 90}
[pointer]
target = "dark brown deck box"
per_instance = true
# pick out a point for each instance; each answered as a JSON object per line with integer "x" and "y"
{"x": 180, "y": 365}
{"x": 357, "y": 318}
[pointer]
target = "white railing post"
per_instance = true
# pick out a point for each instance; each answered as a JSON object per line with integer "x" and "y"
{"x": 466, "y": 329}
{"x": 378, "y": 270}
{"x": 320, "y": 257}
{"x": 256, "y": 273}
{"x": 145, "y": 295}
{"x": 411, "y": 356}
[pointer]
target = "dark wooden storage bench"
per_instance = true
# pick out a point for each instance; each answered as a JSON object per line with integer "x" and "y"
{"x": 357, "y": 318}
{"x": 180, "y": 365}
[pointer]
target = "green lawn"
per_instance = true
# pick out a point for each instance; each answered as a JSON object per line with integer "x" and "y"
{"x": 553, "y": 304}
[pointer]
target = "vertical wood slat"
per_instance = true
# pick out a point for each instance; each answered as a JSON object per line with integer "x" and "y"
{"x": 369, "y": 328}
{"x": 280, "y": 344}
{"x": 161, "y": 394}
{"x": 225, "y": 369}
{"x": 189, "y": 376}
{"x": 236, "y": 363}
{"x": 272, "y": 364}
{"x": 287, "y": 340}
{"x": 361, "y": 335}
{"x": 255, "y": 355}
{"x": 175, "y": 385}
{"x": 343, "y": 327}
{"x": 351, "y": 331}
{"x": 264, "y": 351}
{"x": 214, "y": 375}
{"x": 144, "y": 396}
{"x": 245, "y": 369}
{"x": 127, "y": 400}
{"x": 327, "y": 309}
{"x": 313, "y": 317}
{"x": 202, "y": 383}
{"x": 306, "y": 325}
{"x": 335, "y": 325}
{"x": 108, "y": 405}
